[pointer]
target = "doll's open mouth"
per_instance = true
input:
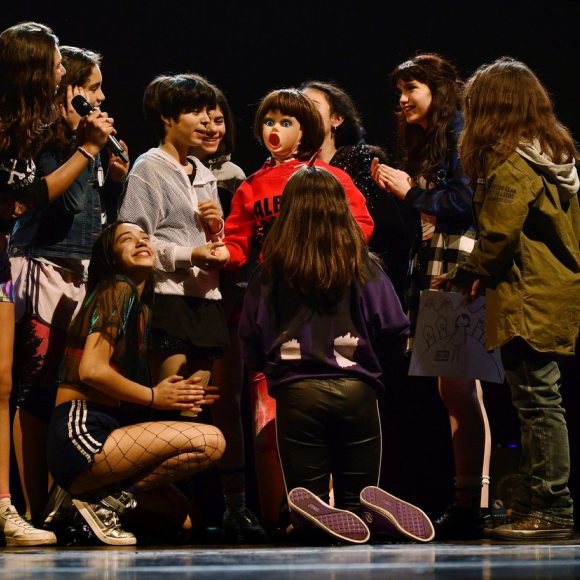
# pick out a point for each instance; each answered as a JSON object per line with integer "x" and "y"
{"x": 274, "y": 139}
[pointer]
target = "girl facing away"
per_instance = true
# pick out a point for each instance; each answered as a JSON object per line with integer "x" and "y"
{"x": 323, "y": 322}
{"x": 432, "y": 182}
{"x": 289, "y": 126}
{"x": 90, "y": 454}
{"x": 521, "y": 160}
{"x": 30, "y": 72}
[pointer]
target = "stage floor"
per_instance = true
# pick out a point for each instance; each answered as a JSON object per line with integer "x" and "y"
{"x": 458, "y": 560}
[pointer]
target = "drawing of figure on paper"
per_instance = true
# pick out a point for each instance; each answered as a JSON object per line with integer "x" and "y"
{"x": 459, "y": 338}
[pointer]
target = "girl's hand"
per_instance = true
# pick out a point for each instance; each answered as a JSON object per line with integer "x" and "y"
{"x": 68, "y": 112}
{"x": 210, "y": 396}
{"x": 442, "y": 280}
{"x": 94, "y": 130}
{"x": 178, "y": 394}
{"x": 211, "y": 256}
{"x": 118, "y": 169}
{"x": 390, "y": 179}
{"x": 211, "y": 214}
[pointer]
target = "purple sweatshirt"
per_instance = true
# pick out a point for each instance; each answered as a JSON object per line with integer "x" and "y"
{"x": 290, "y": 340}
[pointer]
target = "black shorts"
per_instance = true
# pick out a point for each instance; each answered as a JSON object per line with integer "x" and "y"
{"x": 187, "y": 325}
{"x": 76, "y": 433}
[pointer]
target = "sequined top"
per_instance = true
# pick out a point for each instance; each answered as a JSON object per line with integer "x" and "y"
{"x": 356, "y": 161}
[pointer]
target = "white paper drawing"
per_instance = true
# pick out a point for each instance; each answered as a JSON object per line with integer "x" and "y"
{"x": 450, "y": 339}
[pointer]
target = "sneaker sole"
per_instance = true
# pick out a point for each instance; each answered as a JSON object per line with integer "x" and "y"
{"x": 10, "y": 542}
{"x": 530, "y": 535}
{"x": 91, "y": 519}
{"x": 340, "y": 524}
{"x": 387, "y": 514}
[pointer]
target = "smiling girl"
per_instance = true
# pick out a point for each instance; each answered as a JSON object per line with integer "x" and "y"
{"x": 49, "y": 254}
{"x": 432, "y": 182}
{"x": 174, "y": 198}
{"x": 30, "y": 72}
{"x": 89, "y": 453}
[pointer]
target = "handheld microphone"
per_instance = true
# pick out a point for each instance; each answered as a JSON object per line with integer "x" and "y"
{"x": 83, "y": 107}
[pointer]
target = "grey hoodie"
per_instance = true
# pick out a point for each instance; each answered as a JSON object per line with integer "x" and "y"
{"x": 565, "y": 175}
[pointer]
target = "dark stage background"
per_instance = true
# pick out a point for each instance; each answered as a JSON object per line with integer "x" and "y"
{"x": 249, "y": 48}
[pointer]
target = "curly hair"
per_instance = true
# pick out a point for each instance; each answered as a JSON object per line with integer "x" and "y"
{"x": 27, "y": 87}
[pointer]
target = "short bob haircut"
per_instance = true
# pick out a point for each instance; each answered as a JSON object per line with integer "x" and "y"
{"x": 293, "y": 103}
{"x": 168, "y": 96}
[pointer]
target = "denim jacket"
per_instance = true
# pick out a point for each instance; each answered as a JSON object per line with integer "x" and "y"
{"x": 450, "y": 198}
{"x": 68, "y": 227}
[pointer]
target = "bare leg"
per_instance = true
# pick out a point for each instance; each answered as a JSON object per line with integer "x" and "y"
{"x": 30, "y": 436}
{"x": 6, "y": 356}
{"x": 151, "y": 454}
{"x": 470, "y": 438}
{"x": 271, "y": 489}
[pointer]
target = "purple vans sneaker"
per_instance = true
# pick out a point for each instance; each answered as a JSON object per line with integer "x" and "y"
{"x": 386, "y": 514}
{"x": 309, "y": 511}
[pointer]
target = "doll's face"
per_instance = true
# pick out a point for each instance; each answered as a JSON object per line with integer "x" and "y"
{"x": 133, "y": 249}
{"x": 415, "y": 99}
{"x": 281, "y": 135}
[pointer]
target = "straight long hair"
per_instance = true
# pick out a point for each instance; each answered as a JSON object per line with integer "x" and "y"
{"x": 505, "y": 105}
{"x": 423, "y": 150}
{"x": 315, "y": 244}
{"x": 27, "y": 87}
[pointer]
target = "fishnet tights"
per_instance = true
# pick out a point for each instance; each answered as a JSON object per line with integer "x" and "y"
{"x": 150, "y": 454}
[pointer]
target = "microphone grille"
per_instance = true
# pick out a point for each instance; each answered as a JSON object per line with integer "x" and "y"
{"x": 81, "y": 105}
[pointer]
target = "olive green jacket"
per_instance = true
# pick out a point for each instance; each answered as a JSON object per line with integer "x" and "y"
{"x": 527, "y": 254}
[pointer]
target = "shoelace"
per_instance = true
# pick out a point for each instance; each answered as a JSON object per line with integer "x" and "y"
{"x": 10, "y": 514}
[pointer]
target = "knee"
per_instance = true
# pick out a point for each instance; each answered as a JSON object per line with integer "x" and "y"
{"x": 215, "y": 444}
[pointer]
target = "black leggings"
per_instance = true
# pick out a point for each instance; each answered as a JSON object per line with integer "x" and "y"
{"x": 329, "y": 426}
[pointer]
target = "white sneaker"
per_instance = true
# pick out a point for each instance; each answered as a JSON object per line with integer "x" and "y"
{"x": 18, "y": 532}
{"x": 103, "y": 520}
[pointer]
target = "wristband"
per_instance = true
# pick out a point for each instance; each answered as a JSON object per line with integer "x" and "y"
{"x": 85, "y": 153}
{"x": 152, "y": 397}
